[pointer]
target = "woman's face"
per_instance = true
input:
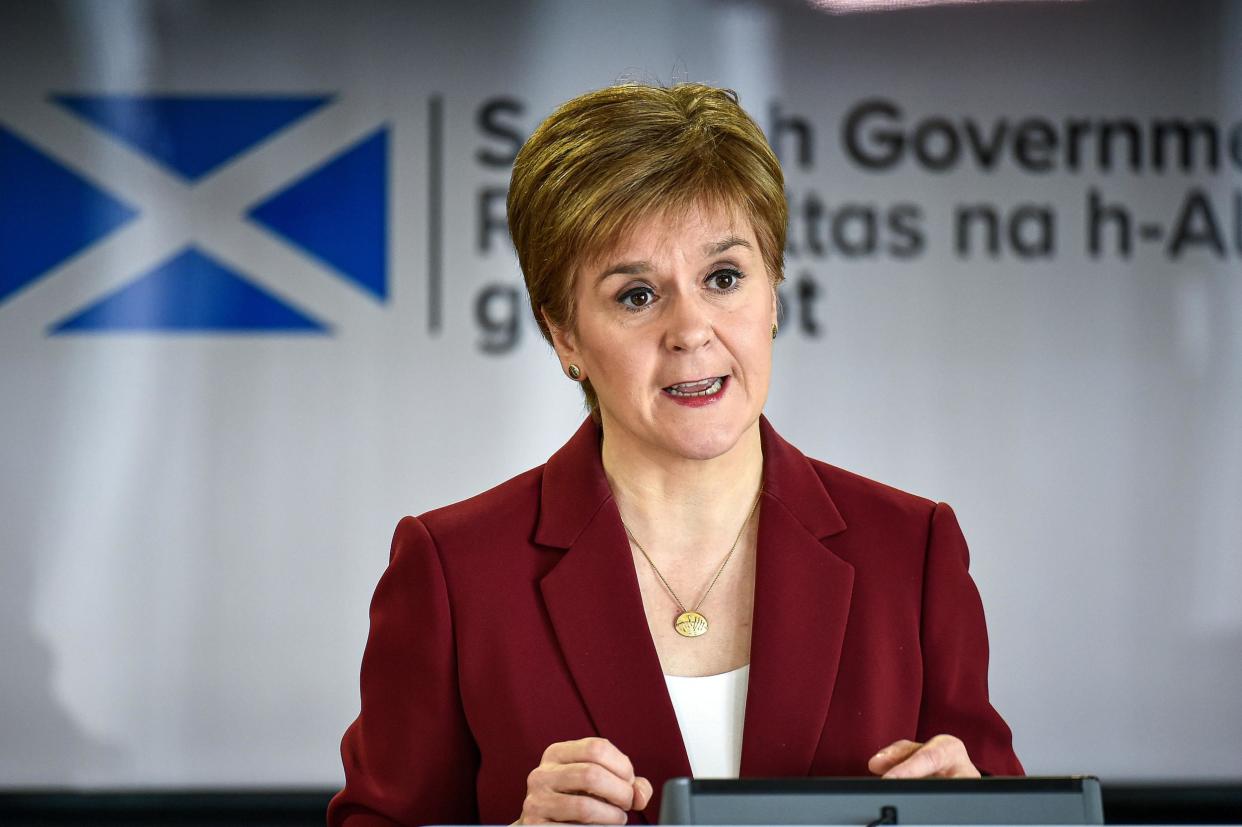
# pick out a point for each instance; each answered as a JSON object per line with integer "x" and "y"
{"x": 674, "y": 329}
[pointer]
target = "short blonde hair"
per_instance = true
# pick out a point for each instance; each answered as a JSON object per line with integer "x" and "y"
{"x": 606, "y": 160}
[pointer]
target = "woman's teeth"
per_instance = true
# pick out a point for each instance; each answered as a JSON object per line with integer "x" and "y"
{"x": 706, "y": 387}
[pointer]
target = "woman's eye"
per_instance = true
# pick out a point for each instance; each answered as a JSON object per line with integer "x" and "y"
{"x": 637, "y": 298}
{"x": 725, "y": 280}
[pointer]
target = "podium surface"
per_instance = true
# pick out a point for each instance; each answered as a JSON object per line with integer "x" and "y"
{"x": 874, "y": 801}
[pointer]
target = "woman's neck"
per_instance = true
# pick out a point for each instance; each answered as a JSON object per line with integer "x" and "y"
{"x": 678, "y": 503}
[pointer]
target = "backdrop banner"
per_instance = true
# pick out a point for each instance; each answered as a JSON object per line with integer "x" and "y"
{"x": 257, "y": 302}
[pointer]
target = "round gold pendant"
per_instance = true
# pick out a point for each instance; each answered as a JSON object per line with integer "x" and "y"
{"x": 690, "y": 624}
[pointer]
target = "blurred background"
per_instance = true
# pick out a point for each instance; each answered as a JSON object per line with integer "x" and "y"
{"x": 257, "y": 302}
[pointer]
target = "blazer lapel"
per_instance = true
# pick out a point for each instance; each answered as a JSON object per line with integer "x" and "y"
{"x": 802, "y": 598}
{"x": 596, "y": 610}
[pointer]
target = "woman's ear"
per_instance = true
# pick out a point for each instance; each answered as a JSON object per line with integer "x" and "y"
{"x": 563, "y": 340}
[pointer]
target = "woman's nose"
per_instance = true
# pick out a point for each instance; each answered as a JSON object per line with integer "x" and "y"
{"x": 689, "y": 325}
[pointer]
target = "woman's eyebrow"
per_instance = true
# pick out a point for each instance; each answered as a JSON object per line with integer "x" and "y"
{"x": 723, "y": 244}
{"x": 628, "y": 268}
{"x": 637, "y": 268}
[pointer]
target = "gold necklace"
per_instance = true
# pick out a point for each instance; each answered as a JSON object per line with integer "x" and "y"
{"x": 691, "y": 622}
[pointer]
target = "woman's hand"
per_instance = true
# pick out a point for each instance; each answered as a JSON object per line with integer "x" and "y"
{"x": 941, "y": 757}
{"x": 588, "y": 781}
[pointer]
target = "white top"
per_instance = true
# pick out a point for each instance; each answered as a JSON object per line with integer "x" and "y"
{"x": 710, "y": 711}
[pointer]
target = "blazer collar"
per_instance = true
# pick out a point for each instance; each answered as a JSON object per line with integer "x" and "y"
{"x": 802, "y": 595}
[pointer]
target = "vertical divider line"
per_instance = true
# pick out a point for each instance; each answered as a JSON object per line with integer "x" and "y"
{"x": 435, "y": 206}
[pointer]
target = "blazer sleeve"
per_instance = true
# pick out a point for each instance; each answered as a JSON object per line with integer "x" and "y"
{"x": 955, "y": 654}
{"x": 409, "y": 757}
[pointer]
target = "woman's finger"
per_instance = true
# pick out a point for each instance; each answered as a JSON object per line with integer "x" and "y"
{"x": 891, "y": 756}
{"x": 591, "y": 751}
{"x": 550, "y": 806}
{"x": 594, "y": 780}
{"x": 943, "y": 756}
{"x": 642, "y": 793}
{"x": 588, "y": 781}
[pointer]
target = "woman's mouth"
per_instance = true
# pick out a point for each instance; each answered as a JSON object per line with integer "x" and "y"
{"x": 698, "y": 392}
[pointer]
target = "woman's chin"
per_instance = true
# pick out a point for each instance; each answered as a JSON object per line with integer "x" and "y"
{"x": 703, "y": 443}
{"x": 703, "y": 433}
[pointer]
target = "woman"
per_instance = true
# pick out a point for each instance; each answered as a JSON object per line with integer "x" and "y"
{"x": 677, "y": 589}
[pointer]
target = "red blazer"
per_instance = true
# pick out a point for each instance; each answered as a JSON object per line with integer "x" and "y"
{"x": 513, "y": 620}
